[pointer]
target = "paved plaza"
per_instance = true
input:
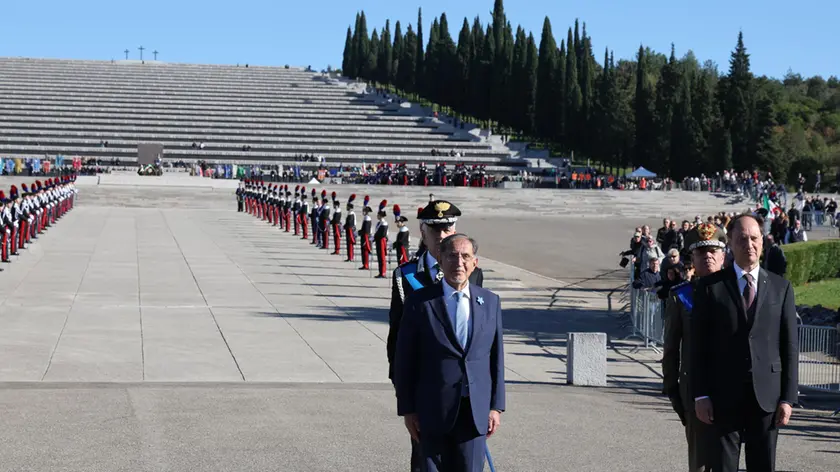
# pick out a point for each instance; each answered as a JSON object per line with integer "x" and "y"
{"x": 156, "y": 329}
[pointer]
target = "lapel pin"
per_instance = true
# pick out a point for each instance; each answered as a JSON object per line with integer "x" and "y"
{"x": 480, "y": 300}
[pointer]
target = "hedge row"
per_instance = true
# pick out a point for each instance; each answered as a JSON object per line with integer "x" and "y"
{"x": 812, "y": 261}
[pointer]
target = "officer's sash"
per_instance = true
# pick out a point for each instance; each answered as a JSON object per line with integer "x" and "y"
{"x": 685, "y": 294}
{"x": 409, "y": 271}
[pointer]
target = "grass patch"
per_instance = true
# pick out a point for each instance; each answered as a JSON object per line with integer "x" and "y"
{"x": 824, "y": 292}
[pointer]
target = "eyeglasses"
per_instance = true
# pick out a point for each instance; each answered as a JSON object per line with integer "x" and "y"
{"x": 455, "y": 257}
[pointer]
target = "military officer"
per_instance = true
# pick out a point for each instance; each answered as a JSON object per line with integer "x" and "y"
{"x": 240, "y": 197}
{"x": 304, "y": 214}
{"x": 707, "y": 244}
{"x": 437, "y": 221}
{"x": 287, "y": 210}
{"x": 402, "y": 243}
{"x": 364, "y": 234}
{"x": 5, "y": 226}
{"x": 313, "y": 217}
{"x": 296, "y": 210}
{"x": 350, "y": 229}
{"x": 335, "y": 225}
{"x": 324, "y": 222}
{"x": 380, "y": 239}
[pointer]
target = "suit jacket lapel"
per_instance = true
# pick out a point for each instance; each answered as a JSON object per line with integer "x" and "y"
{"x": 477, "y": 317}
{"x": 761, "y": 296}
{"x": 737, "y": 298}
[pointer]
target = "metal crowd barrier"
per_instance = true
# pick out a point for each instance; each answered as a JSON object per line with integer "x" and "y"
{"x": 819, "y": 358}
{"x": 819, "y": 346}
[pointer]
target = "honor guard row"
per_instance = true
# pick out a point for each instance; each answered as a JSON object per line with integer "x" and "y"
{"x": 27, "y": 213}
{"x": 274, "y": 204}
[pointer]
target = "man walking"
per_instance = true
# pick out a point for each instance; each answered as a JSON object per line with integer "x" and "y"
{"x": 745, "y": 353}
{"x": 449, "y": 374}
{"x": 706, "y": 244}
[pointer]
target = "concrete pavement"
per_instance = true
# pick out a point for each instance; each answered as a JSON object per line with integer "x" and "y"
{"x": 158, "y": 329}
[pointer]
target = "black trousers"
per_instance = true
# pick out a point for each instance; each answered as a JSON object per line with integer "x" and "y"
{"x": 239, "y": 205}
{"x": 746, "y": 422}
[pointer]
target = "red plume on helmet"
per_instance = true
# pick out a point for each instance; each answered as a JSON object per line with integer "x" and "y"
{"x": 334, "y": 195}
{"x": 367, "y": 200}
{"x": 382, "y": 205}
{"x": 302, "y": 190}
{"x": 419, "y": 212}
{"x": 297, "y": 188}
{"x": 351, "y": 199}
{"x": 313, "y": 193}
{"x": 2, "y": 196}
{"x": 324, "y": 193}
{"x": 397, "y": 212}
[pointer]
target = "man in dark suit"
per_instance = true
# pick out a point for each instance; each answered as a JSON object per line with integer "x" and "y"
{"x": 744, "y": 352}
{"x": 706, "y": 244}
{"x": 774, "y": 259}
{"x": 437, "y": 222}
{"x": 449, "y": 373}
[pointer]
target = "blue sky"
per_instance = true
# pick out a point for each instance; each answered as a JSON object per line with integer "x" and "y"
{"x": 779, "y": 35}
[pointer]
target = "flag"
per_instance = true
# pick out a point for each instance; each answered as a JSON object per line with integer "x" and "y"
{"x": 768, "y": 204}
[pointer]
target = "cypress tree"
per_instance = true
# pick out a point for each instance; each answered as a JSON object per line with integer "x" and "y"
{"x": 447, "y": 65}
{"x": 363, "y": 46}
{"x": 667, "y": 89}
{"x": 370, "y": 68}
{"x": 587, "y": 82}
{"x": 353, "y": 71}
{"x": 408, "y": 61}
{"x": 499, "y": 22}
{"x": 519, "y": 86}
{"x": 477, "y": 71}
{"x": 386, "y": 55}
{"x": 397, "y": 53}
{"x": 643, "y": 110}
{"x": 488, "y": 55}
{"x": 419, "y": 55}
{"x": 464, "y": 61}
{"x": 531, "y": 73}
{"x": 346, "y": 62}
{"x": 765, "y": 146}
{"x": 573, "y": 98}
{"x": 559, "y": 131}
{"x": 546, "y": 69}
{"x": 431, "y": 64}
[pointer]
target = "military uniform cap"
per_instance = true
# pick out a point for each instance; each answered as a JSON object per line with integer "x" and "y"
{"x": 705, "y": 235}
{"x": 439, "y": 212}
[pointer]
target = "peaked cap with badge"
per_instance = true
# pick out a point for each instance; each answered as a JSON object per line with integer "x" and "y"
{"x": 439, "y": 212}
{"x": 705, "y": 235}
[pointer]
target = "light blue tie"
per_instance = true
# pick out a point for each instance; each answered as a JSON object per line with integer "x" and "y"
{"x": 461, "y": 331}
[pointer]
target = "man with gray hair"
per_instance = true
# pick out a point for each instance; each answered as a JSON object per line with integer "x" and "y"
{"x": 449, "y": 375}
{"x": 437, "y": 222}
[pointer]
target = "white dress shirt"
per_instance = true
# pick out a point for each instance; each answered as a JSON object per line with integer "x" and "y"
{"x": 451, "y": 301}
{"x": 742, "y": 282}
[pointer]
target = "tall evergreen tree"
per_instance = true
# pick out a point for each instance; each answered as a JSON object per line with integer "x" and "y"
{"x": 464, "y": 61}
{"x": 447, "y": 65}
{"x": 531, "y": 73}
{"x": 560, "y": 94}
{"x": 685, "y": 136}
{"x": 519, "y": 89}
{"x": 643, "y": 110}
{"x": 371, "y": 70}
{"x": 353, "y": 70}
{"x": 347, "y": 61}
{"x": 419, "y": 55}
{"x": 667, "y": 90}
{"x": 478, "y": 79}
{"x": 546, "y": 82}
{"x": 408, "y": 61}
{"x": 587, "y": 82}
{"x": 386, "y": 55}
{"x": 362, "y": 47}
{"x": 738, "y": 105}
{"x": 764, "y": 145}
{"x": 431, "y": 64}
{"x": 574, "y": 98}
{"x": 499, "y": 21}
{"x": 397, "y": 53}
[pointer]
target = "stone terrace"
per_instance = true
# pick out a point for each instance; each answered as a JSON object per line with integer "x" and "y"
{"x": 68, "y": 107}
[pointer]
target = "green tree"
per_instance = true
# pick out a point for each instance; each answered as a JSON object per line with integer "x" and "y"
{"x": 408, "y": 62}
{"x": 386, "y": 55}
{"x": 546, "y": 82}
{"x": 370, "y": 70}
{"x": 362, "y": 46}
{"x": 397, "y": 53}
{"x": 419, "y": 55}
{"x": 574, "y": 98}
{"x": 667, "y": 90}
{"x": 347, "y": 61}
{"x": 531, "y": 72}
{"x": 432, "y": 65}
{"x": 643, "y": 109}
{"x": 463, "y": 79}
{"x": 738, "y": 105}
